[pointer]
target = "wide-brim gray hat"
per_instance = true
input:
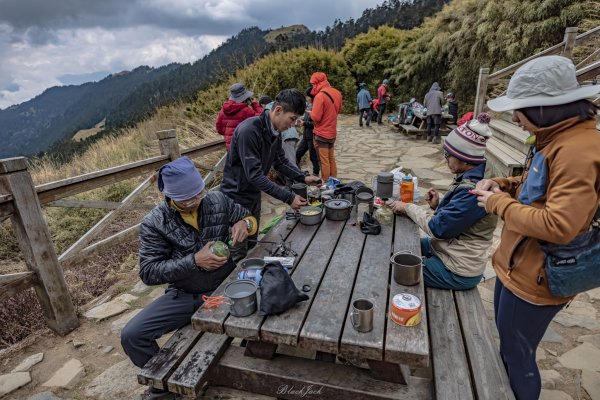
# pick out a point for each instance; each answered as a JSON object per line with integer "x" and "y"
{"x": 238, "y": 92}
{"x": 544, "y": 81}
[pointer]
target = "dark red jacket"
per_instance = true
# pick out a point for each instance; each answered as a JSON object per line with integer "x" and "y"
{"x": 230, "y": 116}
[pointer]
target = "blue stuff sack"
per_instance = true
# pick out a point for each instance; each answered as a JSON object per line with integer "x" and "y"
{"x": 574, "y": 267}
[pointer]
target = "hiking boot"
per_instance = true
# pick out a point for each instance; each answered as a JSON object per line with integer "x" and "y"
{"x": 429, "y": 138}
{"x": 155, "y": 394}
{"x": 436, "y": 140}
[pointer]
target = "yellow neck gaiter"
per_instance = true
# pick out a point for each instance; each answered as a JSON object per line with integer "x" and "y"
{"x": 189, "y": 217}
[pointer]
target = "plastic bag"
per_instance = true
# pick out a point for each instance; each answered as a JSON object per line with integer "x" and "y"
{"x": 277, "y": 290}
{"x": 369, "y": 225}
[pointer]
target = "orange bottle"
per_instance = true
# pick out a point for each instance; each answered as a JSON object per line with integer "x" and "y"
{"x": 407, "y": 189}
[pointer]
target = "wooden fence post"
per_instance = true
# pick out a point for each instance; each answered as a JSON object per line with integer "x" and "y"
{"x": 570, "y": 36}
{"x": 168, "y": 144}
{"x": 37, "y": 248}
{"x": 482, "y": 85}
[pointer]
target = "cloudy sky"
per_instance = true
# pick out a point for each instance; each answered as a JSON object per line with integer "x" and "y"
{"x": 46, "y": 43}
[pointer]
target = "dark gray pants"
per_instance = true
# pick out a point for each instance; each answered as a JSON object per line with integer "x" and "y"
{"x": 169, "y": 312}
{"x": 433, "y": 124}
{"x": 368, "y": 116}
{"x": 380, "y": 111}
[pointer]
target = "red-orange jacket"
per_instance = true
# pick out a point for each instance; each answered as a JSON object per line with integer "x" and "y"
{"x": 326, "y": 106}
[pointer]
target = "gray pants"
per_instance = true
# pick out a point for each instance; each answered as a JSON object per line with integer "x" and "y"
{"x": 433, "y": 124}
{"x": 169, "y": 312}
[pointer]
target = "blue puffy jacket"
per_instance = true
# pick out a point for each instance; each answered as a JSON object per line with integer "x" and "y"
{"x": 363, "y": 99}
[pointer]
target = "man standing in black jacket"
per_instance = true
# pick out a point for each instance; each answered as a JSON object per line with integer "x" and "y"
{"x": 255, "y": 148}
{"x": 175, "y": 240}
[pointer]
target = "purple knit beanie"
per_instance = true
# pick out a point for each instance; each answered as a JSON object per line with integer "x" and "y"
{"x": 180, "y": 180}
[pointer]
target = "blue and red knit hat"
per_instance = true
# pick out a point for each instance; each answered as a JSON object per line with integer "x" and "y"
{"x": 467, "y": 142}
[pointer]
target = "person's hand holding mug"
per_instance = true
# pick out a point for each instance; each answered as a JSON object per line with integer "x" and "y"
{"x": 298, "y": 202}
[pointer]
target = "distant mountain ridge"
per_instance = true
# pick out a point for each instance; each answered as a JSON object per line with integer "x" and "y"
{"x": 48, "y": 122}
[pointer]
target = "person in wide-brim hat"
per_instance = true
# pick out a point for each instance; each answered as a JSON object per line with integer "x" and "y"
{"x": 554, "y": 202}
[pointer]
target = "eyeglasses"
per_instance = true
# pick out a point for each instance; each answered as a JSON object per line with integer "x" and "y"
{"x": 193, "y": 201}
{"x": 446, "y": 155}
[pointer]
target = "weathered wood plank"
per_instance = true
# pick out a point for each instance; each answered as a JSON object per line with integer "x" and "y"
{"x": 487, "y": 371}
{"x": 389, "y": 372}
{"x": 52, "y": 191}
{"x": 11, "y": 284}
{"x": 203, "y": 149}
{"x": 217, "y": 168}
{"x": 450, "y": 368}
{"x": 323, "y": 326}
{"x": 211, "y": 320}
{"x": 407, "y": 344}
{"x": 157, "y": 371}
{"x": 249, "y": 327}
{"x": 291, "y": 378}
{"x": 119, "y": 237}
{"x": 103, "y": 205}
{"x": 371, "y": 283}
{"x": 285, "y": 328}
{"x": 194, "y": 370}
{"x": 38, "y": 251}
{"x": 101, "y": 225}
{"x": 263, "y": 350}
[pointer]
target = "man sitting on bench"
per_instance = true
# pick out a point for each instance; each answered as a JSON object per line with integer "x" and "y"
{"x": 459, "y": 235}
{"x": 175, "y": 241}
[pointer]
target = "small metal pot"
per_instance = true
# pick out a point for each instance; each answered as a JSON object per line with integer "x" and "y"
{"x": 365, "y": 195}
{"x": 253, "y": 263}
{"x": 313, "y": 219}
{"x": 338, "y": 210}
{"x": 407, "y": 268}
{"x": 243, "y": 294}
{"x": 301, "y": 189}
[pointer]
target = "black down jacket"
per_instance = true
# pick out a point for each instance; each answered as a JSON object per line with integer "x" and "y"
{"x": 167, "y": 244}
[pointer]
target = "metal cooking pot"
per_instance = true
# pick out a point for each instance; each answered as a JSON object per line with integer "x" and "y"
{"x": 365, "y": 195}
{"x": 338, "y": 210}
{"x": 310, "y": 219}
{"x": 253, "y": 263}
{"x": 407, "y": 268}
{"x": 243, "y": 294}
{"x": 300, "y": 189}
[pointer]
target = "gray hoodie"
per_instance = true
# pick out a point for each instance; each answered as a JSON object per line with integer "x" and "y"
{"x": 434, "y": 100}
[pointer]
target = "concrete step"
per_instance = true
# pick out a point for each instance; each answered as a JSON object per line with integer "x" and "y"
{"x": 510, "y": 134}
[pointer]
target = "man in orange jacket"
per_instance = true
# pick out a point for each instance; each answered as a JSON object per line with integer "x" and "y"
{"x": 327, "y": 105}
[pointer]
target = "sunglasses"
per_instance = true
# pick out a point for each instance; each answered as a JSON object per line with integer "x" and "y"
{"x": 193, "y": 201}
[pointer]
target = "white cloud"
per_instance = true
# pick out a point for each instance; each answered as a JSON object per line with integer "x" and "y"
{"x": 40, "y": 43}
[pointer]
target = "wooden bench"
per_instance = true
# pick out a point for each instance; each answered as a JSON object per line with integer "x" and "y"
{"x": 506, "y": 160}
{"x": 183, "y": 364}
{"x": 466, "y": 362}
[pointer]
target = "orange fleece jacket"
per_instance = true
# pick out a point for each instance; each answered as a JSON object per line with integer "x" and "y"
{"x": 324, "y": 112}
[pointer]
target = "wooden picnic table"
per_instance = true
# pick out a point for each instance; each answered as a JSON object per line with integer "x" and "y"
{"x": 340, "y": 264}
{"x": 420, "y": 120}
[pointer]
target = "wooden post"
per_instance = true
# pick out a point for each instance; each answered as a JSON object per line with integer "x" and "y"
{"x": 570, "y": 36}
{"x": 482, "y": 85}
{"x": 168, "y": 144}
{"x": 35, "y": 242}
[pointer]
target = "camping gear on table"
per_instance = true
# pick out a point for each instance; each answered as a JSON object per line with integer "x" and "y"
{"x": 338, "y": 209}
{"x": 361, "y": 315}
{"x": 243, "y": 294}
{"x": 405, "y": 309}
{"x": 277, "y": 290}
{"x": 310, "y": 215}
{"x": 407, "y": 268}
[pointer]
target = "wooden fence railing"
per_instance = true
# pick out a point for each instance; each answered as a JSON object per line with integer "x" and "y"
{"x": 22, "y": 202}
{"x": 564, "y": 48}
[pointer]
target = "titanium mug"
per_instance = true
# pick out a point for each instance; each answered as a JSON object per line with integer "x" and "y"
{"x": 361, "y": 315}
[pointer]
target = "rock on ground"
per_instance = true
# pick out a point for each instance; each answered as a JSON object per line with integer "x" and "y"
{"x": 585, "y": 356}
{"x": 117, "y": 382}
{"x": 45, "y": 396}
{"x": 590, "y": 381}
{"x": 118, "y": 325}
{"x": 68, "y": 375}
{"x": 112, "y": 308}
{"x": 13, "y": 381}
{"x": 554, "y": 395}
{"x": 29, "y": 362}
{"x": 550, "y": 378}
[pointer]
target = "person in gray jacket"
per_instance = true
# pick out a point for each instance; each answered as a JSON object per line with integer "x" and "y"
{"x": 434, "y": 99}
{"x": 363, "y": 101}
{"x": 175, "y": 241}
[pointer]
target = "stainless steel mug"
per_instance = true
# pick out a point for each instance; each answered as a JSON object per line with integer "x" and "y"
{"x": 361, "y": 315}
{"x": 407, "y": 268}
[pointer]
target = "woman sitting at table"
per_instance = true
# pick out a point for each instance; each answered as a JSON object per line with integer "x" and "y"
{"x": 459, "y": 232}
